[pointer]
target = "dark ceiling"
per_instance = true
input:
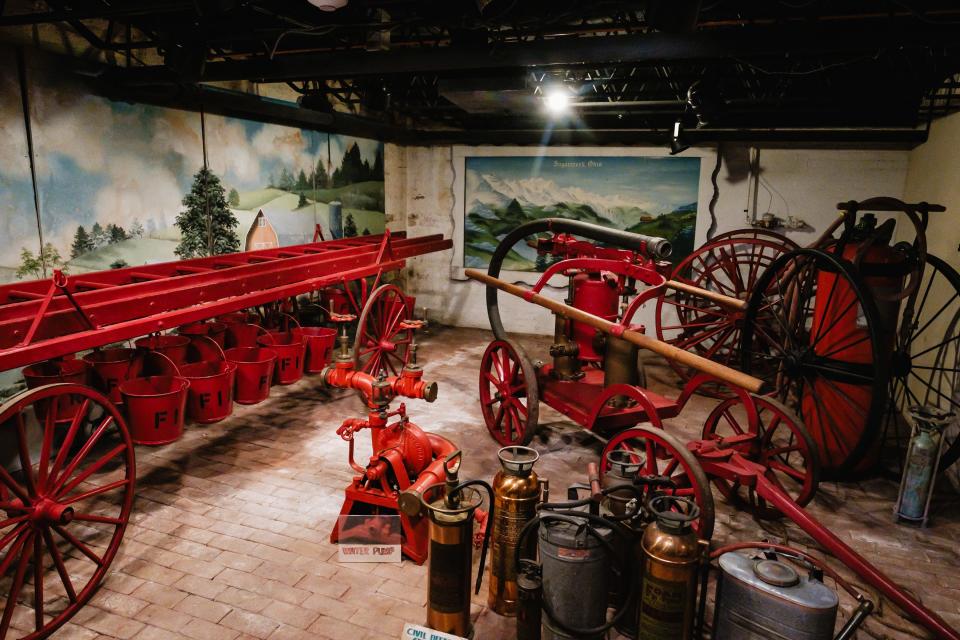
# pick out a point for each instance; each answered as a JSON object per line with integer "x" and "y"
{"x": 476, "y": 70}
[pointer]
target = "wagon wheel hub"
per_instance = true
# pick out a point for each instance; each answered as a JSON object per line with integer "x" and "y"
{"x": 901, "y": 364}
{"x": 795, "y": 359}
{"x": 50, "y": 512}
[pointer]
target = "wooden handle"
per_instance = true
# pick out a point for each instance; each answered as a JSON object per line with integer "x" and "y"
{"x": 713, "y": 296}
{"x": 717, "y": 370}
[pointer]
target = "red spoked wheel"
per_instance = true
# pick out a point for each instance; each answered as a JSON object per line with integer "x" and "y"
{"x": 782, "y": 445}
{"x": 729, "y": 265}
{"x": 63, "y": 511}
{"x": 509, "y": 394}
{"x": 383, "y": 338}
{"x": 660, "y": 454}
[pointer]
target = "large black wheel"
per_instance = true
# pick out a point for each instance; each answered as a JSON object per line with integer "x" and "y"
{"x": 925, "y": 366}
{"x": 813, "y": 328}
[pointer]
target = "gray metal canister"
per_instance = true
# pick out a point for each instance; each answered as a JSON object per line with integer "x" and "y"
{"x": 575, "y": 566}
{"x": 768, "y": 600}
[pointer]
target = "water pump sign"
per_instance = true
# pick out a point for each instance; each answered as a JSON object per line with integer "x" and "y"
{"x": 416, "y": 632}
{"x": 369, "y": 538}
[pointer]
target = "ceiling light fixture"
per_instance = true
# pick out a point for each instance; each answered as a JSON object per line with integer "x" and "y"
{"x": 556, "y": 100}
{"x": 328, "y": 5}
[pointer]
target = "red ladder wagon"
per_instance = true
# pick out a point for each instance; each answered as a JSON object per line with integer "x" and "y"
{"x": 67, "y": 465}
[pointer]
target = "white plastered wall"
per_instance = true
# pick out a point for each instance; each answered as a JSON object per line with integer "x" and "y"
{"x": 803, "y": 183}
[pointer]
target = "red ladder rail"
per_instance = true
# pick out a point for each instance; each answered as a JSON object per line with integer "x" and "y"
{"x": 134, "y": 305}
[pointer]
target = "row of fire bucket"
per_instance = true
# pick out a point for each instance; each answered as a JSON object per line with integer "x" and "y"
{"x": 197, "y": 373}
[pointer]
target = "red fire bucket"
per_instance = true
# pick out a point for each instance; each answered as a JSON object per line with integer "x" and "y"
{"x": 243, "y": 334}
{"x": 290, "y": 349}
{"x": 238, "y": 317}
{"x": 174, "y": 347}
{"x": 110, "y": 367}
{"x": 254, "y": 373}
{"x": 155, "y": 408}
{"x": 216, "y": 331}
{"x": 210, "y": 397}
{"x": 53, "y": 372}
{"x": 320, "y": 341}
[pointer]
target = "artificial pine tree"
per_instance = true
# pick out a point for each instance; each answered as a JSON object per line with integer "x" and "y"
{"x": 115, "y": 234}
{"x": 206, "y": 224}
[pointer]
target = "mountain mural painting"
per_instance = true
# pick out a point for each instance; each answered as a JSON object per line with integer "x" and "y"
{"x": 651, "y": 195}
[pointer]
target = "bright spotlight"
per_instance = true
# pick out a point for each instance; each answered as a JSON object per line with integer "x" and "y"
{"x": 557, "y": 101}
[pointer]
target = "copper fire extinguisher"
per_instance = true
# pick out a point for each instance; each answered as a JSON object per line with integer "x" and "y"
{"x": 672, "y": 560}
{"x": 516, "y": 492}
{"x": 450, "y": 507}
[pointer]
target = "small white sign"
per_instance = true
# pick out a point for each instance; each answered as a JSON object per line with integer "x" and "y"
{"x": 416, "y": 632}
{"x": 369, "y": 552}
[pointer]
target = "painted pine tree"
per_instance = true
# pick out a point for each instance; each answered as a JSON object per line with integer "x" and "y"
{"x": 207, "y": 225}
{"x": 82, "y": 243}
{"x": 349, "y": 227}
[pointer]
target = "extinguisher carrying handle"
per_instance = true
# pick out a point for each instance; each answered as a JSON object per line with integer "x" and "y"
{"x": 860, "y": 614}
{"x": 594, "y": 500}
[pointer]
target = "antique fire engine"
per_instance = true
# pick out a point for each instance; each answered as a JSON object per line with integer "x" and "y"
{"x": 406, "y": 459}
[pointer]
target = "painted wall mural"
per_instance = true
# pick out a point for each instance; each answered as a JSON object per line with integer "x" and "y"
{"x": 123, "y": 184}
{"x": 651, "y": 195}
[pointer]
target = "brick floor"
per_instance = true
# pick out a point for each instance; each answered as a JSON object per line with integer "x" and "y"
{"x": 229, "y": 537}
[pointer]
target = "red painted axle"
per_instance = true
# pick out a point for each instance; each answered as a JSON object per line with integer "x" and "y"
{"x": 732, "y": 466}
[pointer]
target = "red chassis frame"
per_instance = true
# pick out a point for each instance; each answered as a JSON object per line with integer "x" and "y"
{"x": 60, "y": 316}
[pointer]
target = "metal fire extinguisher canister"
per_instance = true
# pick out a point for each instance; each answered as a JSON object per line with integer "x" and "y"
{"x": 923, "y": 458}
{"x": 672, "y": 559}
{"x": 516, "y": 491}
{"x": 450, "y": 507}
{"x": 576, "y": 564}
{"x": 529, "y": 600}
{"x": 767, "y": 599}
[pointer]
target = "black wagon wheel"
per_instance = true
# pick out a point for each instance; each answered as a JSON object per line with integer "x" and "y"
{"x": 509, "y": 394}
{"x": 813, "y": 329}
{"x": 925, "y": 366}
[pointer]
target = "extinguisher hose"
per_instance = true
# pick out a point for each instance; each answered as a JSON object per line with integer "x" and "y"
{"x": 653, "y": 247}
{"x": 486, "y": 534}
{"x": 592, "y": 526}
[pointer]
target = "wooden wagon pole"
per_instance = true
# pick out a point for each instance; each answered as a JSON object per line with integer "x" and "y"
{"x": 719, "y": 371}
{"x": 717, "y": 298}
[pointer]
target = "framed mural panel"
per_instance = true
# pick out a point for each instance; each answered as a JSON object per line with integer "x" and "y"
{"x": 643, "y": 190}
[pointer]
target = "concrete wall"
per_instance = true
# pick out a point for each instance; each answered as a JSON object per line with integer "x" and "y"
{"x": 802, "y": 183}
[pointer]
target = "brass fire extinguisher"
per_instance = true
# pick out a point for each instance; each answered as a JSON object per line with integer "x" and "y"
{"x": 450, "y": 507}
{"x": 672, "y": 560}
{"x": 516, "y": 492}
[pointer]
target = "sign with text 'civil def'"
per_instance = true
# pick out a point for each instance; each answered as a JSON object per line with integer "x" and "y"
{"x": 416, "y": 632}
{"x": 369, "y": 538}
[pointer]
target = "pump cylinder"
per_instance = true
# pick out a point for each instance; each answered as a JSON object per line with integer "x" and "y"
{"x": 672, "y": 557}
{"x": 516, "y": 491}
{"x": 575, "y": 566}
{"x": 451, "y": 560}
{"x": 596, "y": 294}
